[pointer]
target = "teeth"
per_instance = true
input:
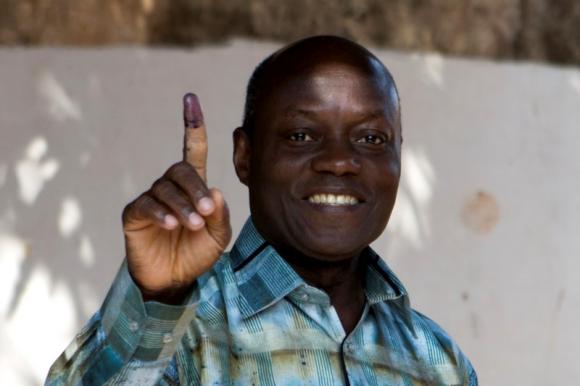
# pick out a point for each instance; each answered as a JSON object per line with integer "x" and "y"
{"x": 333, "y": 199}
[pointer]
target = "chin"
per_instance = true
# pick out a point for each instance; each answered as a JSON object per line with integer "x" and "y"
{"x": 331, "y": 248}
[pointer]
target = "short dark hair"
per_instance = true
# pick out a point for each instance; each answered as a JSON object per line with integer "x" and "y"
{"x": 255, "y": 86}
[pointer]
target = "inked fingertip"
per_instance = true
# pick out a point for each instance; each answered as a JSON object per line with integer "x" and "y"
{"x": 192, "y": 115}
{"x": 190, "y": 98}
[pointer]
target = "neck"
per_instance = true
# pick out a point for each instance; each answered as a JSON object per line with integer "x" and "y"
{"x": 341, "y": 280}
{"x": 326, "y": 275}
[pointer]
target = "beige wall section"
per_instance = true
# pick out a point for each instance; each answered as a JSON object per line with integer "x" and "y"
{"x": 484, "y": 234}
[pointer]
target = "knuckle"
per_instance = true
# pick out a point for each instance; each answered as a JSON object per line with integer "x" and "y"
{"x": 200, "y": 193}
{"x": 161, "y": 188}
{"x": 139, "y": 207}
{"x": 157, "y": 181}
{"x": 199, "y": 141}
{"x": 145, "y": 201}
{"x": 183, "y": 173}
{"x": 151, "y": 209}
{"x": 175, "y": 170}
{"x": 126, "y": 212}
{"x": 186, "y": 210}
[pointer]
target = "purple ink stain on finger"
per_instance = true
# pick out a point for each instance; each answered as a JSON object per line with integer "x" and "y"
{"x": 192, "y": 115}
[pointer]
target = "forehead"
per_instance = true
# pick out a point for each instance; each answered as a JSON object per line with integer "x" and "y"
{"x": 331, "y": 84}
{"x": 328, "y": 79}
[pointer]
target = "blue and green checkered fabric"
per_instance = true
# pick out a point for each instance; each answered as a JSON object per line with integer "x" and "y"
{"x": 252, "y": 320}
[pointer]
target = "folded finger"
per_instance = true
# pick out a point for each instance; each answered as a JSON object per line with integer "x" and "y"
{"x": 186, "y": 178}
{"x": 145, "y": 211}
{"x": 171, "y": 196}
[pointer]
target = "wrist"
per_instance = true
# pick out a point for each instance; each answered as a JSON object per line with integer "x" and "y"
{"x": 171, "y": 296}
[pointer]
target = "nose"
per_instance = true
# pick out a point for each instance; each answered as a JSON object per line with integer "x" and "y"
{"x": 338, "y": 158}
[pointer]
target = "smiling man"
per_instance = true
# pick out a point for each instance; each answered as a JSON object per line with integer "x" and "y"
{"x": 301, "y": 298}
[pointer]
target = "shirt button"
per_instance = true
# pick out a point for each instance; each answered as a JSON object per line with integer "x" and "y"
{"x": 133, "y": 326}
{"x": 167, "y": 338}
{"x": 349, "y": 347}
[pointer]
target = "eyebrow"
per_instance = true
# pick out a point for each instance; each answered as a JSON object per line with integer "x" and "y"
{"x": 292, "y": 111}
{"x": 311, "y": 113}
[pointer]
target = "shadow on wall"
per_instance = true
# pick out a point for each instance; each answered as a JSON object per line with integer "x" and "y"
{"x": 47, "y": 212}
{"x": 40, "y": 201}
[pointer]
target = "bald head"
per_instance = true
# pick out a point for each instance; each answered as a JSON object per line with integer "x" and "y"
{"x": 304, "y": 56}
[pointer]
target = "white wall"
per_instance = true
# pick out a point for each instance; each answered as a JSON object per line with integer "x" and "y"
{"x": 484, "y": 234}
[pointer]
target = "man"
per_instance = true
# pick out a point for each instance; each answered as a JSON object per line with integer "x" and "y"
{"x": 301, "y": 298}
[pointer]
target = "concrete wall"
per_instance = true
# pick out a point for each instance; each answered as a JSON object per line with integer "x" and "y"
{"x": 484, "y": 234}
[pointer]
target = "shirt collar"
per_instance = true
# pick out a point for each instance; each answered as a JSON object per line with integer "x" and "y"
{"x": 381, "y": 283}
{"x": 264, "y": 277}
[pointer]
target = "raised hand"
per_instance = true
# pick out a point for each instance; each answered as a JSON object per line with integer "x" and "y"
{"x": 177, "y": 230}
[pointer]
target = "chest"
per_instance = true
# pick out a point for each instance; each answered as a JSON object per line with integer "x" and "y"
{"x": 295, "y": 343}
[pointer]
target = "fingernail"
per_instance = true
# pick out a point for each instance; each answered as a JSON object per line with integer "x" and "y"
{"x": 192, "y": 115}
{"x": 205, "y": 205}
{"x": 170, "y": 221}
{"x": 195, "y": 219}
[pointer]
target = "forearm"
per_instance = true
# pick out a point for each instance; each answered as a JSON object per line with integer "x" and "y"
{"x": 126, "y": 340}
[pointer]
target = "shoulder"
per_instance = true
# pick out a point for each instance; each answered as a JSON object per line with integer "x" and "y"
{"x": 433, "y": 330}
{"x": 442, "y": 350}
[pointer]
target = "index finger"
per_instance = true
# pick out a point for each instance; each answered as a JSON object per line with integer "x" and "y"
{"x": 195, "y": 137}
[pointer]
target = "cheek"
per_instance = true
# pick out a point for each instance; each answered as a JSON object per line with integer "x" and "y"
{"x": 389, "y": 171}
{"x": 273, "y": 184}
{"x": 384, "y": 180}
{"x": 278, "y": 168}
{"x": 394, "y": 171}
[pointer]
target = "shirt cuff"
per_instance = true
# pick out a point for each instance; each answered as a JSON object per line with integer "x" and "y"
{"x": 140, "y": 330}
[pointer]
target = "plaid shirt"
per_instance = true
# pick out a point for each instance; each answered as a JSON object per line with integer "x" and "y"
{"x": 252, "y": 320}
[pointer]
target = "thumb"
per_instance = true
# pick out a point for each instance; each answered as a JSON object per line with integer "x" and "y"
{"x": 218, "y": 222}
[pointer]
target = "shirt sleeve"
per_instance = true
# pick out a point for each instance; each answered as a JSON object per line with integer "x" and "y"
{"x": 461, "y": 364}
{"x": 127, "y": 341}
{"x": 472, "y": 377}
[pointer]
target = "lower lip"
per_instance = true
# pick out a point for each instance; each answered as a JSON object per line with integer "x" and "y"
{"x": 333, "y": 208}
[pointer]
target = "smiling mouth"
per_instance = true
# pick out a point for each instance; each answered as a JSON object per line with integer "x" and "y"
{"x": 333, "y": 199}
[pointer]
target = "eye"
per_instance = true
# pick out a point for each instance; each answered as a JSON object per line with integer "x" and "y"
{"x": 300, "y": 137}
{"x": 373, "y": 139}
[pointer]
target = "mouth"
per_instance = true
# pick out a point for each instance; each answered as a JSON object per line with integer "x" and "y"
{"x": 331, "y": 199}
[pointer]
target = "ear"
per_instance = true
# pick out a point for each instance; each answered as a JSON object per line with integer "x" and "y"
{"x": 242, "y": 155}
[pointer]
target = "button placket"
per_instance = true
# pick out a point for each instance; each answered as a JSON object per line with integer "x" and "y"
{"x": 167, "y": 338}
{"x": 133, "y": 326}
{"x": 349, "y": 347}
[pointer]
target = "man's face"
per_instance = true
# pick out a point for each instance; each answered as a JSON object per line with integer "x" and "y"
{"x": 325, "y": 161}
